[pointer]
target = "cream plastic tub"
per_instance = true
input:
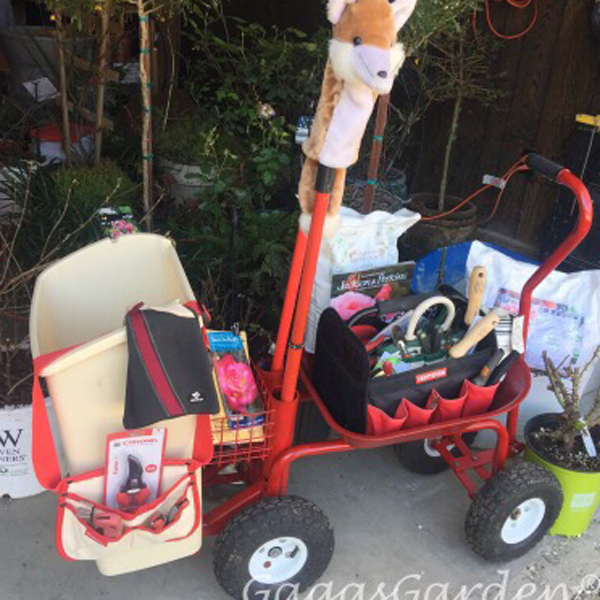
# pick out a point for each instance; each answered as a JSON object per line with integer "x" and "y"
{"x": 83, "y": 299}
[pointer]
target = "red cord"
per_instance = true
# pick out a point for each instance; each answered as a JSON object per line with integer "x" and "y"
{"x": 499, "y": 198}
{"x": 520, "y": 4}
{"x": 518, "y": 166}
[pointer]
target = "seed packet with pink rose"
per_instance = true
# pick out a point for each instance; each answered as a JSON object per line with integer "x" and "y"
{"x": 242, "y": 400}
{"x": 352, "y": 292}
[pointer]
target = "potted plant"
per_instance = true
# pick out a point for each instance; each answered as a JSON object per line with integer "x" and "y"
{"x": 455, "y": 68}
{"x": 191, "y": 157}
{"x": 568, "y": 444}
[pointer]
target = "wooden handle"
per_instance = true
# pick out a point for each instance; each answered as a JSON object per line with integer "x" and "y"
{"x": 476, "y": 290}
{"x": 475, "y": 334}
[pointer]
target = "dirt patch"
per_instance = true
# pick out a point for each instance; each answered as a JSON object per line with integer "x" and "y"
{"x": 15, "y": 378}
{"x": 552, "y": 450}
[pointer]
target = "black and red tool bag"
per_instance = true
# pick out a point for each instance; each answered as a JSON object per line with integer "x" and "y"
{"x": 169, "y": 372}
{"x": 342, "y": 376}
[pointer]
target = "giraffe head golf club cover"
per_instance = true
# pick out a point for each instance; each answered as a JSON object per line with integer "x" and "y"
{"x": 169, "y": 373}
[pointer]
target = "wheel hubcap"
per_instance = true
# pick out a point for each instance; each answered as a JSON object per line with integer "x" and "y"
{"x": 523, "y": 521}
{"x": 430, "y": 450}
{"x": 278, "y": 560}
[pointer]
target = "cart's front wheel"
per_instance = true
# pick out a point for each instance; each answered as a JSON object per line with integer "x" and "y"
{"x": 277, "y": 544}
{"x": 513, "y": 511}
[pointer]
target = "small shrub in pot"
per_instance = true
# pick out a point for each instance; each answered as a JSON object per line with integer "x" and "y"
{"x": 568, "y": 444}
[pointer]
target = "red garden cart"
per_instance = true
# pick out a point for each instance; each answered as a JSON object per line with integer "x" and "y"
{"x": 268, "y": 539}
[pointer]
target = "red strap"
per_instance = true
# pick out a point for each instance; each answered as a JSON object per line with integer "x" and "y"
{"x": 203, "y": 440}
{"x": 45, "y": 459}
{"x": 155, "y": 371}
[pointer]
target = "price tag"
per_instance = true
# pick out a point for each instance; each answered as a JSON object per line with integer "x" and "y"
{"x": 588, "y": 442}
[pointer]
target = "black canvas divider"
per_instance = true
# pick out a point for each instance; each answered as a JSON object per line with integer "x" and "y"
{"x": 342, "y": 374}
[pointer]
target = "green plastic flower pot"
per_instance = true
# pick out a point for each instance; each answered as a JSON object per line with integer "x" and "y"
{"x": 581, "y": 489}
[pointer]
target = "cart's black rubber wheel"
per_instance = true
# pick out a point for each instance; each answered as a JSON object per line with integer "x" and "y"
{"x": 278, "y": 543}
{"x": 419, "y": 457}
{"x": 513, "y": 511}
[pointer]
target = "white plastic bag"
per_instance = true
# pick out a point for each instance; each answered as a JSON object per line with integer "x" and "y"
{"x": 359, "y": 242}
{"x": 17, "y": 475}
{"x": 565, "y": 311}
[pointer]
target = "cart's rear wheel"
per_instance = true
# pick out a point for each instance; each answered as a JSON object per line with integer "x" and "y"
{"x": 513, "y": 511}
{"x": 422, "y": 458}
{"x": 276, "y": 544}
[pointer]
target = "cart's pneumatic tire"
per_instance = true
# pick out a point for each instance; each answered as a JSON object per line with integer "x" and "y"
{"x": 419, "y": 457}
{"x": 513, "y": 511}
{"x": 276, "y": 543}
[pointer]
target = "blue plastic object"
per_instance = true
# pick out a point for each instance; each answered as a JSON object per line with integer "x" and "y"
{"x": 449, "y": 265}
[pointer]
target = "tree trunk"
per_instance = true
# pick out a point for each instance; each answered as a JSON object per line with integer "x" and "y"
{"x": 454, "y": 125}
{"x": 449, "y": 147}
{"x": 64, "y": 97}
{"x": 101, "y": 77}
{"x": 145, "y": 82}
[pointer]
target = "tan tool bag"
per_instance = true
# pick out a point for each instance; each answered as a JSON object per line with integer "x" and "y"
{"x": 139, "y": 545}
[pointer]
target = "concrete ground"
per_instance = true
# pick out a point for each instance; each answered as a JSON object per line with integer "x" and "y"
{"x": 389, "y": 525}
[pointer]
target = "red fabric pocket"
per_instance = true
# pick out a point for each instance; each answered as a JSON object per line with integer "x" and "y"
{"x": 417, "y": 416}
{"x": 479, "y": 399}
{"x": 380, "y": 423}
{"x": 445, "y": 409}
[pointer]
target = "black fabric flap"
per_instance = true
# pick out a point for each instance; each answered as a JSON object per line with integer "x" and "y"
{"x": 172, "y": 351}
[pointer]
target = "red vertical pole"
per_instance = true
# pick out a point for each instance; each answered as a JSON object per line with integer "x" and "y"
{"x": 291, "y": 295}
{"x": 292, "y": 367}
{"x": 287, "y": 405}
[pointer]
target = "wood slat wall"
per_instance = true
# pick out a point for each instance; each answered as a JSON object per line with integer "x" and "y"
{"x": 550, "y": 75}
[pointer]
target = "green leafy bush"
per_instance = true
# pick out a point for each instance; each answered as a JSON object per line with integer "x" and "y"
{"x": 86, "y": 189}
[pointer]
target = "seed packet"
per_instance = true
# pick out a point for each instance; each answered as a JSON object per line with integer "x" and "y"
{"x": 243, "y": 404}
{"x": 115, "y": 222}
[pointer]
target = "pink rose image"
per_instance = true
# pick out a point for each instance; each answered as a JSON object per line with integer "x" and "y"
{"x": 237, "y": 383}
{"x": 350, "y": 303}
{"x": 385, "y": 293}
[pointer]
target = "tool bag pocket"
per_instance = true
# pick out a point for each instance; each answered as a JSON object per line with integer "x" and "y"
{"x": 179, "y": 508}
{"x": 478, "y": 399}
{"x": 342, "y": 378}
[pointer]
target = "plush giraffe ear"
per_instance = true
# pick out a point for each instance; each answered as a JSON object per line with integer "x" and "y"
{"x": 335, "y": 8}
{"x": 402, "y": 10}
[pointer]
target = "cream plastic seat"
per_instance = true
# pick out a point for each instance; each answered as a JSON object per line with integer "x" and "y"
{"x": 82, "y": 300}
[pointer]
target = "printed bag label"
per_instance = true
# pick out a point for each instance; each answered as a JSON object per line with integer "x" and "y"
{"x": 431, "y": 376}
{"x": 583, "y": 500}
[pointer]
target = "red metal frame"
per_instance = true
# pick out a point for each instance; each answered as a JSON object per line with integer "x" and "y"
{"x": 270, "y": 478}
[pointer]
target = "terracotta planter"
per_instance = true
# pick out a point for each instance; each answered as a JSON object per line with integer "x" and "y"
{"x": 426, "y": 236}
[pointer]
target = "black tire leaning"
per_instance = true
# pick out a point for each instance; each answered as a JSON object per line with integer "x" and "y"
{"x": 498, "y": 500}
{"x": 258, "y": 524}
{"x": 414, "y": 457}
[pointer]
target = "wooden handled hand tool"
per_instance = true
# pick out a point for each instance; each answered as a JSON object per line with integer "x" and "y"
{"x": 483, "y": 376}
{"x": 477, "y": 285}
{"x": 475, "y": 334}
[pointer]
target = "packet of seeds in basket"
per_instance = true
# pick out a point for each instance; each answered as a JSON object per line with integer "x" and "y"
{"x": 242, "y": 400}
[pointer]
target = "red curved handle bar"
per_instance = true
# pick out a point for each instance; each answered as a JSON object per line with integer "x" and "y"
{"x": 584, "y": 222}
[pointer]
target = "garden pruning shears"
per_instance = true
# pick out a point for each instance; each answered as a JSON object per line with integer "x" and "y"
{"x": 134, "y": 492}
